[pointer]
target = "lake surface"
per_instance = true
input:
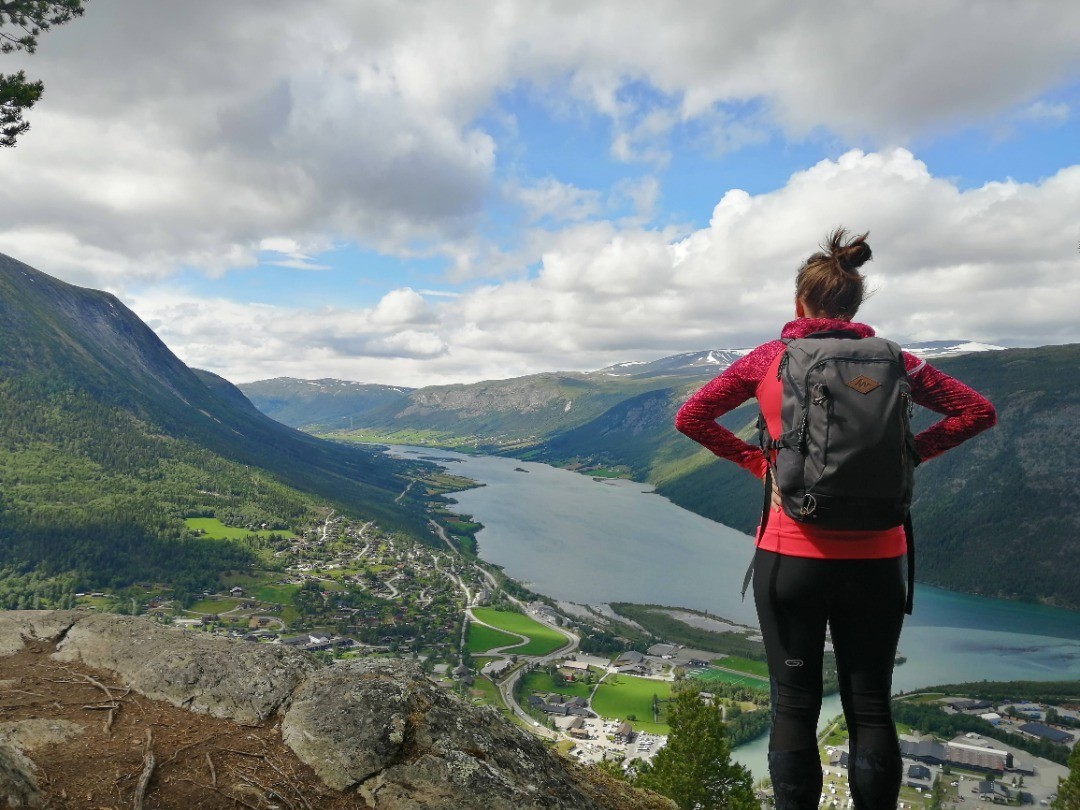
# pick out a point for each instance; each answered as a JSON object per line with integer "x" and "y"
{"x": 594, "y": 541}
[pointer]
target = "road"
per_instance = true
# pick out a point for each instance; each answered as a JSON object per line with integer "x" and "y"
{"x": 506, "y": 685}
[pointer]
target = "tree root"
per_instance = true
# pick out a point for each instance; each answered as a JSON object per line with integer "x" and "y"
{"x": 147, "y": 772}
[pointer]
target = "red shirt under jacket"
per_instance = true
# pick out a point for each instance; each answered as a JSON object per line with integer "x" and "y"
{"x": 966, "y": 413}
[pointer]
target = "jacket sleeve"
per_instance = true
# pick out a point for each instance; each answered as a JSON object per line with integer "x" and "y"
{"x": 738, "y": 383}
{"x": 966, "y": 412}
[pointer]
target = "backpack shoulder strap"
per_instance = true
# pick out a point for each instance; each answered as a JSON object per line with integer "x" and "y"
{"x": 766, "y": 506}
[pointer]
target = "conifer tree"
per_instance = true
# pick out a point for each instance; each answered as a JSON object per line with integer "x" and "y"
{"x": 695, "y": 769}
{"x": 1068, "y": 795}
{"x": 31, "y": 18}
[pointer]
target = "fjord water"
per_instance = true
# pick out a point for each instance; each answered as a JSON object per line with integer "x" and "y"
{"x": 594, "y": 541}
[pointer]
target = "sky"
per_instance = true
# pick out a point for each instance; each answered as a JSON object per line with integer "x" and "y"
{"x": 424, "y": 192}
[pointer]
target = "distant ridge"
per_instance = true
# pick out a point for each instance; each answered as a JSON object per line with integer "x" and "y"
{"x": 712, "y": 361}
{"x": 502, "y": 413}
{"x": 325, "y": 403}
{"x": 933, "y": 349}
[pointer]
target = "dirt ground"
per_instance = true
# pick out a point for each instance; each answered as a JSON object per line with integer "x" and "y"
{"x": 92, "y": 742}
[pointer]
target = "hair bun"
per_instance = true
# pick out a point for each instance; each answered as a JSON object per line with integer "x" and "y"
{"x": 849, "y": 255}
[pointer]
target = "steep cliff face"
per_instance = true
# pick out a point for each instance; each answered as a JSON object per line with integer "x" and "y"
{"x": 101, "y": 708}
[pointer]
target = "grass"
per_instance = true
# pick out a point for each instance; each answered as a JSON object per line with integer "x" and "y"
{"x": 759, "y": 668}
{"x": 485, "y": 692}
{"x": 606, "y": 472}
{"x": 542, "y": 639}
{"x": 926, "y": 697}
{"x": 482, "y": 638}
{"x": 540, "y": 683}
{"x": 715, "y": 675}
{"x": 623, "y": 695}
{"x": 278, "y": 594}
{"x": 214, "y": 606}
{"x": 216, "y": 530}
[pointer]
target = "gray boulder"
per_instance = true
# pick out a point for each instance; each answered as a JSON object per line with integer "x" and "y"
{"x": 380, "y": 727}
{"x": 18, "y": 787}
{"x": 238, "y": 681}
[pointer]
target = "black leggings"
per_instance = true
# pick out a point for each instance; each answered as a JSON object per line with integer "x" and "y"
{"x": 862, "y": 603}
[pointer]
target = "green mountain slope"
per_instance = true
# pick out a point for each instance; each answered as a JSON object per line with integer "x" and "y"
{"x": 996, "y": 512}
{"x": 108, "y": 441}
{"x": 502, "y": 415}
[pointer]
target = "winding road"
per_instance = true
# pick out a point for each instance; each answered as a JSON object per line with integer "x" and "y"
{"x": 506, "y": 685}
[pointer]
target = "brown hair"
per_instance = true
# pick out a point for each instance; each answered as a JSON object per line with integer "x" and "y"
{"x": 829, "y": 282}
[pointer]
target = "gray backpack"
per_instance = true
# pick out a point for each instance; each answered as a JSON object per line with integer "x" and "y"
{"x": 845, "y": 458}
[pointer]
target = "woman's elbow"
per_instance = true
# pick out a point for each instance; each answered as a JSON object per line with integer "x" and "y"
{"x": 686, "y": 422}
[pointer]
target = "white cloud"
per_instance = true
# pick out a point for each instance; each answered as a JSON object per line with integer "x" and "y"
{"x": 550, "y": 199}
{"x": 985, "y": 264}
{"x": 642, "y": 193}
{"x": 402, "y": 307}
{"x": 1043, "y": 111}
{"x": 185, "y": 134}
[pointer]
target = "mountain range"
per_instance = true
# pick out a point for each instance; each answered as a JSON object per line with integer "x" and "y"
{"x": 569, "y": 397}
{"x": 991, "y": 516}
{"x": 109, "y": 441}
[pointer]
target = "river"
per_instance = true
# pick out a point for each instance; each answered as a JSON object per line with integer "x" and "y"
{"x": 594, "y": 541}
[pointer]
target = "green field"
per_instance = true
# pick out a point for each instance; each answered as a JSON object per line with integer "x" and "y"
{"x": 484, "y": 691}
{"x": 542, "y": 640}
{"x": 540, "y": 683}
{"x": 622, "y": 695}
{"x": 759, "y": 668}
{"x": 214, "y": 606}
{"x": 719, "y": 676}
{"x": 482, "y": 638}
{"x": 281, "y": 594}
{"x": 216, "y": 530}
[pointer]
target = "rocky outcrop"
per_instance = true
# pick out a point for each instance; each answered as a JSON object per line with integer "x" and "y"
{"x": 18, "y": 786}
{"x": 383, "y": 727}
{"x": 242, "y": 682}
{"x": 376, "y": 730}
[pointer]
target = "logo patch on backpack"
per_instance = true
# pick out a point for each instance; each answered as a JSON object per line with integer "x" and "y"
{"x": 863, "y": 384}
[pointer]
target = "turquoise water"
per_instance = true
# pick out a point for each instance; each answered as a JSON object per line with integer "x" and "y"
{"x": 594, "y": 541}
